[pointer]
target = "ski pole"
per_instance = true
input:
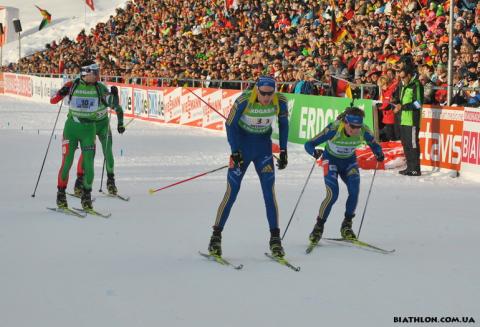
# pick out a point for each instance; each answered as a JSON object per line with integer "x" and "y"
{"x": 48, "y": 147}
{"x": 105, "y": 150}
{"x": 300, "y": 196}
{"x": 128, "y": 123}
{"x": 366, "y": 202}
{"x": 151, "y": 191}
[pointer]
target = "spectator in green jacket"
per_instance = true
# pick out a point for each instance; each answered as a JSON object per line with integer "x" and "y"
{"x": 410, "y": 107}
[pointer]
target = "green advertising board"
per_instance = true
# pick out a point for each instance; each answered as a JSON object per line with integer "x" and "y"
{"x": 310, "y": 114}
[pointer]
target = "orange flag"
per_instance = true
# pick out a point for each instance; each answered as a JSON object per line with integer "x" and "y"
{"x": 90, "y": 4}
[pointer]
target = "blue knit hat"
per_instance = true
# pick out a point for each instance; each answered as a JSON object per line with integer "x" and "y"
{"x": 266, "y": 81}
{"x": 354, "y": 120}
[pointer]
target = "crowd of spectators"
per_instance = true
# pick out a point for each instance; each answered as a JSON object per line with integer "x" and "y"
{"x": 289, "y": 39}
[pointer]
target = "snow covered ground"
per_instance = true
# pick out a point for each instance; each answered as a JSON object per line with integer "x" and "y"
{"x": 141, "y": 266}
{"x": 68, "y": 19}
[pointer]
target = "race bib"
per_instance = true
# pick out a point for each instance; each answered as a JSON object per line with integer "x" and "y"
{"x": 84, "y": 104}
{"x": 258, "y": 122}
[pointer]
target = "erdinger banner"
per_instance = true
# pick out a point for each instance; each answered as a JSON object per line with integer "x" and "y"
{"x": 441, "y": 137}
{"x": 172, "y": 104}
{"x": 471, "y": 141}
{"x": 192, "y": 110}
{"x": 228, "y": 98}
{"x": 211, "y": 119}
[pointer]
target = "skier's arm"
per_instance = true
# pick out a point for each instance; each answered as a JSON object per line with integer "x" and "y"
{"x": 114, "y": 103}
{"x": 64, "y": 91}
{"x": 325, "y": 135}
{"x": 231, "y": 124}
{"x": 283, "y": 121}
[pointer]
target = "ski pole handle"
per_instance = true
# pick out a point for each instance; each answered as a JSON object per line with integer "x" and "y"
{"x": 152, "y": 191}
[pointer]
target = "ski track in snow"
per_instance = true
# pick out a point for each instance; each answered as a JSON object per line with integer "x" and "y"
{"x": 141, "y": 267}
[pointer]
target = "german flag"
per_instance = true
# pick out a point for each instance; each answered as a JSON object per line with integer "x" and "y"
{"x": 393, "y": 59}
{"x": 47, "y": 18}
{"x": 339, "y": 35}
{"x": 429, "y": 61}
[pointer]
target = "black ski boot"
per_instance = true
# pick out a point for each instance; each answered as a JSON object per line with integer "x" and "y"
{"x": 61, "y": 198}
{"x": 346, "y": 229}
{"x": 78, "y": 188}
{"x": 276, "y": 243}
{"x": 87, "y": 200}
{"x": 112, "y": 189}
{"x": 317, "y": 232}
{"x": 215, "y": 245}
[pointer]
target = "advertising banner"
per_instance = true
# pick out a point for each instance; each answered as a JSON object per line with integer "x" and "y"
{"x": 43, "y": 88}
{"x": 441, "y": 137}
{"x": 309, "y": 115}
{"x": 19, "y": 85}
{"x": 125, "y": 95}
{"x": 228, "y": 99}
{"x": 155, "y": 104}
{"x": 140, "y": 102}
{"x": 172, "y": 104}
{"x": 471, "y": 142}
{"x": 192, "y": 110}
{"x": 211, "y": 119}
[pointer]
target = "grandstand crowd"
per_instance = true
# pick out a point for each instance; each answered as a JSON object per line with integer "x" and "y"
{"x": 292, "y": 40}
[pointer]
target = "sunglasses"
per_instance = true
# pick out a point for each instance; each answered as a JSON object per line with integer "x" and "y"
{"x": 354, "y": 126}
{"x": 265, "y": 93}
{"x": 91, "y": 71}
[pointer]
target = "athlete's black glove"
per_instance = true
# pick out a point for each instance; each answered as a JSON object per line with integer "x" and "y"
{"x": 282, "y": 162}
{"x": 317, "y": 153}
{"x": 120, "y": 128}
{"x": 236, "y": 159}
{"x": 64, "y": 91}
{"x": 380, "y": 157}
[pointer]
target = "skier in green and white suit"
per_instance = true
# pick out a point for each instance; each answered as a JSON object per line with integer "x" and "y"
{"x": 88, "y": 101}
{"x": 104, "y": 134}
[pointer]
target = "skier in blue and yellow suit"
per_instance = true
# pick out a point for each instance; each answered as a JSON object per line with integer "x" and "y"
{"x": 343, "y": 136}
{"x": 249, "y": 127}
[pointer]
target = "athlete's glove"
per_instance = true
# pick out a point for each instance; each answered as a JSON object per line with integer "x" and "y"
{"x": 282, "y": 162}
{"x": 64, "y": 91}
{"x": 236, "y": 159}
{"x": 380, "y": 157}
{"x": 317, "y": 153}
{"x": 120, "y": 128}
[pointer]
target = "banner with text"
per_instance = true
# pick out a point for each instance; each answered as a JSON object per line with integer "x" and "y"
{"x": 471, "y": 142}
{"x": 309, "y": 115}
{"x": 441, "y": 137}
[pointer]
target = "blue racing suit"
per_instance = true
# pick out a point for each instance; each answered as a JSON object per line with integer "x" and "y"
{"x": 339, "y": 159}
{"x": 248, "y": 130}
